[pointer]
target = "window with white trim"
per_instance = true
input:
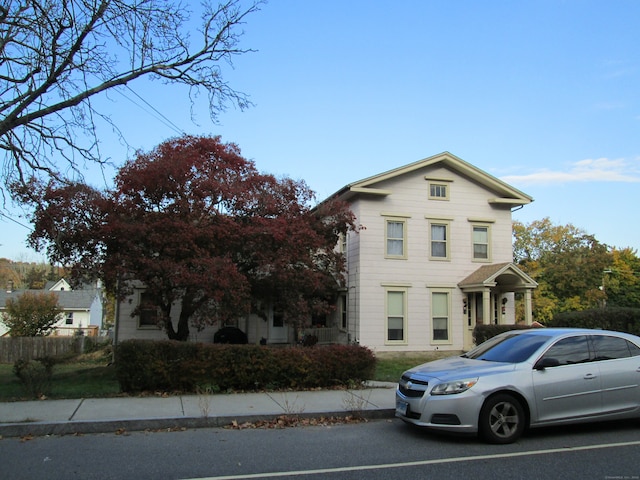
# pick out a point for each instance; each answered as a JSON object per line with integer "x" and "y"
{"x": 68, "y": 318}
{"x": 342, "y": 241}
{"x": 147, "y": 311}
{"x": 278, "y": 318}
{"x": 395, "y": 238}
{"x": 440, "y": 308}
{"x": 481, "y": 245}
{"x": 439, "y": 241}
{"x": 396, "y": 317}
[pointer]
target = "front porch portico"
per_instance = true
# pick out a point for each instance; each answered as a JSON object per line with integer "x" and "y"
{"x": 489, "y": 289}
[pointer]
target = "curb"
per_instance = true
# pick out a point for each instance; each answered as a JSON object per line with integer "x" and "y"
{"x": 40, "y": 429}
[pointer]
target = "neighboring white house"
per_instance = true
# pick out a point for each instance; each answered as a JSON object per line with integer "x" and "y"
{"x": 434, "y": 258}
{"x": 82, "y": 307}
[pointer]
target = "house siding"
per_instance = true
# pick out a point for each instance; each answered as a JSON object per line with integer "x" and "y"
{"x": 128, "y": 324}
{"x": 81, "y": 320}
{"x": 255, "y": 327}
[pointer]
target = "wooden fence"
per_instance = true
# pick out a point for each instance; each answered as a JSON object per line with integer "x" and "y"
{"x": 28, "y": 348}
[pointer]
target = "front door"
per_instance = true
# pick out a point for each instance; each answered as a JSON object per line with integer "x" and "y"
{"x": 474, "y": 316}
{"x": 278, "y": 331}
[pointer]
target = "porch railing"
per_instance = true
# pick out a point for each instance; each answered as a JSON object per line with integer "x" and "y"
{"x": 325, "y": 335}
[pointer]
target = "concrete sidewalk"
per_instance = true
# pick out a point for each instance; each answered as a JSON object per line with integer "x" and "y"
{"x": 98, "y": 415}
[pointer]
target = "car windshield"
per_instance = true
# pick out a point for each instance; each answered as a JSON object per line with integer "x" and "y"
{"x": 508, "y": 348}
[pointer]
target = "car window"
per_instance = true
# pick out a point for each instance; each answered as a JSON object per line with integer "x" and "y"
{"x": 634, "y": 350}
{"x": 568, "y": 351}
{"x": 511, "y": 348}
{"x": 607, "y": 347}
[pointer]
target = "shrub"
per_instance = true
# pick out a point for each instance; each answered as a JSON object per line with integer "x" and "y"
{"x": 31, "y": 314}
{"x": 35, "y": 375}
{"x": 619, "y": 319}
{"x": 482, "y": 333}
{"x": 179, "y": 366}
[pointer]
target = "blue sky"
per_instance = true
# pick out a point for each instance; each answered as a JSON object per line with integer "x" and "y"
{"x": 542, "y": 94}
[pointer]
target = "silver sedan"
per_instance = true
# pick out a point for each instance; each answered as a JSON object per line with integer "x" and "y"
{"x": 526, "y": 378}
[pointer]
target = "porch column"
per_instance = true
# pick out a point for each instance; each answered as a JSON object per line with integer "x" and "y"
{"x": 486, "y": 306}
{"x": 528, "y": 307}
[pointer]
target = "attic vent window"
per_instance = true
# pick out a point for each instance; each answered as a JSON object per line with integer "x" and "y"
{"x": 438, "y": 187}
{"x": 438, "y": 191}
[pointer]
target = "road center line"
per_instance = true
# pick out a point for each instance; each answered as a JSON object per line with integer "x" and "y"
{"x": 421, "y": 462}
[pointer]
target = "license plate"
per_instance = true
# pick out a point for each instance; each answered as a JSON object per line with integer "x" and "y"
{"x": 401, "y": 408}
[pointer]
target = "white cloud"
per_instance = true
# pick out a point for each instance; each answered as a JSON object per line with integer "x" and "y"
{"x": 589, "y": 170}
{"x": 610, "y": 106}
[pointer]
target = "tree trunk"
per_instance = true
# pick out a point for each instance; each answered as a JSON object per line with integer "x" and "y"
{"x": 182, "y": 333}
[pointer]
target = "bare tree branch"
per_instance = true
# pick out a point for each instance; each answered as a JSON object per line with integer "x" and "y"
{"x": 55, "y": 55}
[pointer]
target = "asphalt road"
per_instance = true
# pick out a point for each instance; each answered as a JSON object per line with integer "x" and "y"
{"x": 382, "y": 449}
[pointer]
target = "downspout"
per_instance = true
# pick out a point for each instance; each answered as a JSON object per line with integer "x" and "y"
{"x": 116, "y": 320}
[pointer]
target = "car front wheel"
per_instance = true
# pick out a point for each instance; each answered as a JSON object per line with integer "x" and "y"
{"x": 502, "y": 419}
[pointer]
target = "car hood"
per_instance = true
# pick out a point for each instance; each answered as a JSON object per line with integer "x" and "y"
{"x": 456, "y": 368}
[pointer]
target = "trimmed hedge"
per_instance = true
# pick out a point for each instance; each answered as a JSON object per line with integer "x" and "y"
{"x": 618, "y": 319}
{"x": 482, "y": 333}
{"x": 143, "y": 365}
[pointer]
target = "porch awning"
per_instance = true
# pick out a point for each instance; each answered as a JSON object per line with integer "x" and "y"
{"x": 505, "y": 275}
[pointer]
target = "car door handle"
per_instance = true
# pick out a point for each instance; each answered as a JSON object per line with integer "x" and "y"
{"x": 590, "y": 376}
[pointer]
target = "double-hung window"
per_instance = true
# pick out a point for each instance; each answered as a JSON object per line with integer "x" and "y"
{"x": 396, "y": 238}
{"x": 147, "y": 311}
{"x": 396, "y": 316}
{"x": 481, "y": 239}
{"x": 440, "y": 308}
{"x": 480, "y": 242}
{"x": 439, "y": 241}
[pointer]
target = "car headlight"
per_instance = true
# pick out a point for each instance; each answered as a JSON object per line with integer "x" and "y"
{"x": 452, "y": 388}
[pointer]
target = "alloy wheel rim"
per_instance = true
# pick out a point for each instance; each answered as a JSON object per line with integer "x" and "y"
{"x": 503, "y": 419}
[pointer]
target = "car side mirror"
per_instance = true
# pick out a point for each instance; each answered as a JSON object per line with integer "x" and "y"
{"x": 546, "y": 362}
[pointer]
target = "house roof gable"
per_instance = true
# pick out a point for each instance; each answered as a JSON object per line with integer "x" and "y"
{"x": 60, "y": 285}
{"x": 506, "y": 194}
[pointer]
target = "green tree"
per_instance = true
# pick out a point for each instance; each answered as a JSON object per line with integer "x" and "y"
{"x": 31, "y": 314}
{"x": 36, "y": 277}
{"x": 567, "y": 263}
{"x": 621, "y": 280}
{"x": 9, "y": 277}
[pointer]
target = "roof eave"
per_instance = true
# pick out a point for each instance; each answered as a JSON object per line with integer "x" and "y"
{"x": 510, "y": 201}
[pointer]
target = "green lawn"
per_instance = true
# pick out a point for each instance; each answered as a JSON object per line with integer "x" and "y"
{"x": 390, "y": 366}
{"x": 70, "y": 380}
{"x": 94, "y": 378}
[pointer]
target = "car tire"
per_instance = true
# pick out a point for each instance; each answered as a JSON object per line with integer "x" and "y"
{"x": 502, "y": 419}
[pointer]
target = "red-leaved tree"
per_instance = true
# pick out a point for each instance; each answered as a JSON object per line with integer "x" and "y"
{"x": 201, "y": 228}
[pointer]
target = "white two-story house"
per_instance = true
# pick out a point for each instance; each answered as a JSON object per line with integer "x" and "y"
{"x": 434, "y": 258}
